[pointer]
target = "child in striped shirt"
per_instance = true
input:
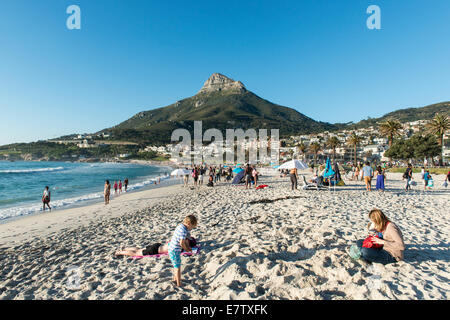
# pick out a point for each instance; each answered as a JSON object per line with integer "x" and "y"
{"x": 178, "y": 242}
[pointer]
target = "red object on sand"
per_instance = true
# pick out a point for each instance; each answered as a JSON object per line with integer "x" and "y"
{"x": 368, "y": 243}
{"x": 262, "y": 186}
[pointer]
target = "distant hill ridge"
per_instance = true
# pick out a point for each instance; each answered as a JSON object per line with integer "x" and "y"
{"x": 409, "y": 114}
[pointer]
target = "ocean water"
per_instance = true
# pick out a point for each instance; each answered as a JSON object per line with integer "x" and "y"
{"x": 22, "y": 183}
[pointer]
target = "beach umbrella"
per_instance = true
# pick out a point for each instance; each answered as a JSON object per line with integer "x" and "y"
{"x": 294, "y": 164}
{"x": 237, "y": 170}
{"x": 180, "y": 172}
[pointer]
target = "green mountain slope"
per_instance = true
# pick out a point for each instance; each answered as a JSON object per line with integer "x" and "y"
{"x": 223, "y": 104}
{"x": 404, "y": 115}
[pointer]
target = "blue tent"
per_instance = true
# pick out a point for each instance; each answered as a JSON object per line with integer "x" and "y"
{"x": 237, "y": 170}
{"x": 237, "y": 179}
{"x": 328, "y": 170}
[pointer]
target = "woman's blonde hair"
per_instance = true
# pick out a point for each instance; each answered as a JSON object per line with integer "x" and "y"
{"x": 379, "y": 219}
{"x": 191, "y": 220}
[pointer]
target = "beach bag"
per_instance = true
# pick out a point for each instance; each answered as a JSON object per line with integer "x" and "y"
{"x": 430, "y": 183}
{"x": 412, "y": 183}
{"x": 445, "y": 184}
{"x": 368, "y": 243}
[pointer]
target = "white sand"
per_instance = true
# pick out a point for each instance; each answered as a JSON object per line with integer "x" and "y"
{"x": 291, "y": 248}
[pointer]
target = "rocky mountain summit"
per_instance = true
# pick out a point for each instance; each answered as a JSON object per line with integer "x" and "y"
{"x": 219, "y": 82}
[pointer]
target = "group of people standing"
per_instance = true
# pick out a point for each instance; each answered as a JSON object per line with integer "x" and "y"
{"x": 117, "y": 189}
{"x": 214, "y": 174}
{"x": 426, "y": 177}
{"x": 366, "y": 173}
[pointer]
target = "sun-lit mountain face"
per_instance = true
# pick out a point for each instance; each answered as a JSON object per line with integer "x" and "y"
{"x": 221, "y": 103}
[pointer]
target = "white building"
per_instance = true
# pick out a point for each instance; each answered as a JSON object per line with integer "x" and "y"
{"x": 86, "y": 144}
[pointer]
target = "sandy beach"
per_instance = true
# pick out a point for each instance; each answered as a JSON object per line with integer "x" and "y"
{"x": 273, "y": 243}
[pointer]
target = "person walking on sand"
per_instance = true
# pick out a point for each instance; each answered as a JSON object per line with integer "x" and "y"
{"x": 408, "y": 176}
{"x": 125, "y": 183}
{"x": 426, "y": 177}
{"x": 185, "y": 179}
{"x": 385, "y": 242}
{"x": 380, "y": 179}
{"x": 46, "y": 198}
{"x": 356, "y": 172}
{"x": 200, "y": 175}
{"x": 177, "y": 243}
{"x": 294, "y": 176}
{"x": 248, "y": 177}
{"x": 255, "y": 176}
{"x": 115, "y": 188}
{"x": 120, "y": 186}
{"x": 367, "y": 176}
{"x": 107, "y": 191}
{"x": 195, "y": 175}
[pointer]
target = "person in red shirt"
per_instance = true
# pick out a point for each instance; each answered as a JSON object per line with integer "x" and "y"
{"x": 115, "y": 187}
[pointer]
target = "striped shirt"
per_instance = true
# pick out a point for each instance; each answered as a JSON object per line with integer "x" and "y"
{"x": 181, "y": 233}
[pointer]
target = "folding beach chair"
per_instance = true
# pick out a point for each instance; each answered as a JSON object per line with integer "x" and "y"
{"x": 313, "y": 186}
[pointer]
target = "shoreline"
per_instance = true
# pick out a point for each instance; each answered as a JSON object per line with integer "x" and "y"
{"x": 91, "y": 201}
{"x": 41, "y": 224}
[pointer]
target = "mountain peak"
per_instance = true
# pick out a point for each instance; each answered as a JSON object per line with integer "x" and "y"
{"x": 219, "y": 82}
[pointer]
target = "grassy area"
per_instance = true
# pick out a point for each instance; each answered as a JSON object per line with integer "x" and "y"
{"x": 419, "y": 169}
{"x": 2, "y": 152}
{"x": 160, "y": 159}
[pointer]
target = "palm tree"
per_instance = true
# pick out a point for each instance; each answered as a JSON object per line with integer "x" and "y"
{"x": 302, "y": 148}
{"x": 354, "y": 140}
{"x": 438, "y": 126}
{"x": 315, "y": 148}
{"x": 390, "y": 129}
{"x": 333, "y": 143}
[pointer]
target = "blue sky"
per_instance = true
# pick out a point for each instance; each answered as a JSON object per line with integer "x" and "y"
{"x": 315, "y": 56}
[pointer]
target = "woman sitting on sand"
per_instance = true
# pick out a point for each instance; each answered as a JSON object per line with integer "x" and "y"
{"x": 156, "y": 248}
{"x": 387, "y": 237}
